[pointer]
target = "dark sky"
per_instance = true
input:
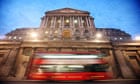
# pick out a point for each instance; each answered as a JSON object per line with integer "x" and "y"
{"x": 120, "y": 14}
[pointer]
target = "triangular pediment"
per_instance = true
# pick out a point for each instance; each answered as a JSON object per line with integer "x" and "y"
{"x": 67, "y": 10}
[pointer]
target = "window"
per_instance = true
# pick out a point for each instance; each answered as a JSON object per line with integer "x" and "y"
{"x": 15, "y": 37}
{"x": 66, "y": 22}
{"x": 75, "y": 21}
{"x": 121, "y": 38}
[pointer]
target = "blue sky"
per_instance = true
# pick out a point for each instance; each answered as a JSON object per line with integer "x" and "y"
{"x": 120, "y": 14}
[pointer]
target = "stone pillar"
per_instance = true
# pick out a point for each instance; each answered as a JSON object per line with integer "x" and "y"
{"x": 7, "y": 67}
{"x": 60, "y": 24}
{"x": 79, "y": 22}
{"x": 26, "y": 70}
{"x": 63, "y": 22}
{"x": 138, "y": 52}
{"x": 18, "y": 64}
{"x": 94, "y": 29}
{"x": 87, "y": 21}
{"x": 126, "y": 72}
{"x": 70, "y": 22}
{"x": 54, "y": 22}
{"x": 46, "y": 22}
{"x": 112, "y": 63}
{"x": 73, "y": 21}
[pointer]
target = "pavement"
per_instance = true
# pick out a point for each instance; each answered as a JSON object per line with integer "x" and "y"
{"x": 113, "y": 81}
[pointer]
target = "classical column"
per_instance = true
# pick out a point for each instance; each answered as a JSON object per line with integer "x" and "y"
{"x": 87, "y": 21}
{"x": 73, "y": 21}
{"x": 92, "y": 23}
{"x": 79, "y": 22}
{"x": 70, "y": 21}
{"x": 54, "y": 24}
{"x": 62, "y": 21}
{"x": 46, "y": 22}
{"x": 52, "y": 21}
{"x": 125, "y": 70}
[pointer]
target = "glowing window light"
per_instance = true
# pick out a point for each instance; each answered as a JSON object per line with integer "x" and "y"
{"x": 59, "y": 21}
{"x": 67, "y": 21}
{"x": 33, "y": 34}
{"x": 10, "y": 37}
{"x": 75, "y": 21}
{"x": 15, "y": 37}
{"x": 46, "y": 32}
{"x": 98, "y": 35}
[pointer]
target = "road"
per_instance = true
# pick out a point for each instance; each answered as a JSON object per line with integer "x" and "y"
{"x": 89, "y": 82}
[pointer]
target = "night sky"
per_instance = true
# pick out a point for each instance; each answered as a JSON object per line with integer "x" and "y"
{"x": 120, "y": 14}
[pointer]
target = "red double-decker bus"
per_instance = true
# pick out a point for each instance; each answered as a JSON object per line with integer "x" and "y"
{"x": 67, "y": 66}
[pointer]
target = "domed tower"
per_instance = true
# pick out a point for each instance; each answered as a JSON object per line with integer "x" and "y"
{"x": 67, "y": 23}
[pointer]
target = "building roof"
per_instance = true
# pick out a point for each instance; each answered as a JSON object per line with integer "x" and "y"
{"x": 67, "y": 10}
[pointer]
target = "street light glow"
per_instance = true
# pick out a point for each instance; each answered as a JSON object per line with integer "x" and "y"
{"x": 33, "y": 34}
{"x": 98, "y": 35}
{"x": 137, "y": 38}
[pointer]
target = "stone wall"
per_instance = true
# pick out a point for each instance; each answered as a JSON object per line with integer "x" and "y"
{"x": 122, "y": 57}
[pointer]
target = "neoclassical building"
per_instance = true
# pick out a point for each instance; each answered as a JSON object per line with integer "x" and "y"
{"x": 67, "y": 23}
{"x": 113, "y": 34}
{"x": 68, "y": 30}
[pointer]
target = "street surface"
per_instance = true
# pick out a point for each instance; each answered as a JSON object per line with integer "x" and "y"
{"x": 125, "y": 81}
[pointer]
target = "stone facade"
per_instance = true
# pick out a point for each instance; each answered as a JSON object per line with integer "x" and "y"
{"x": 67, "y": 24}
{"x": 113, "y": 34}
{"x": 123, "y": 57}
{"x": 66, "y": 30}
{"x": 110, "y": 34}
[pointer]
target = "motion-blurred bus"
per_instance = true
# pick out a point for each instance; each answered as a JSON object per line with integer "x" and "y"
{"x": 67, "y": 66}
